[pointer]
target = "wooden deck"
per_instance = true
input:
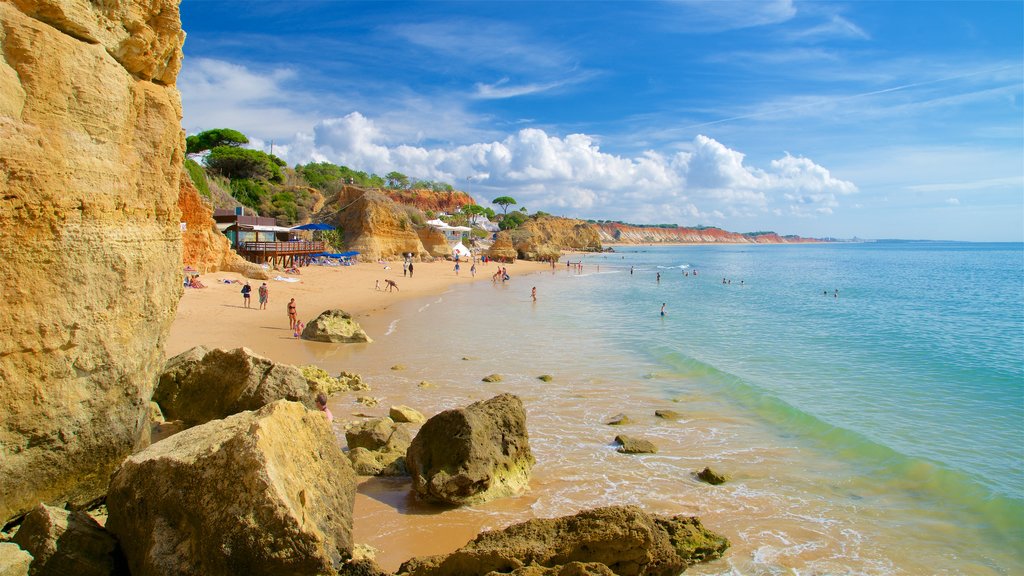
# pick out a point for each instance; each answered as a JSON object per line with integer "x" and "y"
{"x": 279, "y": 253}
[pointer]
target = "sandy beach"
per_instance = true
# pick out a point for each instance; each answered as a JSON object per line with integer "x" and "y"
{"x": 216, "y": 317}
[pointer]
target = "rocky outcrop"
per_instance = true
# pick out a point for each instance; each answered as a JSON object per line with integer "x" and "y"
{"x": 13, "y": 560}
{"x": 374, "y": 225}
{"x": 321, "y": 382}
{"x": 91, "y": 153}
{"x": 200, "y": 385}
{"x": 619, "y": 420}
{"x": 265, "y": 492}
{"x": 615, "y": 232}
{"x": 544, "y": 238}
{"x": 434, "y": 242}
{"x": 402, "y": 413}
{"x": 668, "y": 414}
{"x": 502, "y": 250}
{"x": 336, "y": 326}
{"x": 63, "y": 542}
{"x": 377, "y": 447}
{"x": 625, "y": 539}
{"x": 204, "y": 247}
{"x": 472, "y": 455}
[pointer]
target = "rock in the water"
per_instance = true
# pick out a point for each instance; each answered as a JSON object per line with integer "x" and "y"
{"x": 630, "y": 445}
{"x": 425, "y": 384}
{"x": 473, "y": 454}
{"x": 377, "y": 462}
{"x": 13, "y": 560}
{"x": 63, "y": 542}
{"x": 492, "y": 378}
{"x": 627, "y": 540}
{"x": 619, "y": 420}
{"x": 91, "y": 153}
{"x": 378, "y": 434}
{"x": 375, "y": 446}
{"x": 200, "y": 385}
{"x": 668, "y": 414}
{"x": 406, "y": 414}
{"x": 322, "y": 382}
{"x": 265, "y": 492}
{"x": 545, "y": 377}
{"x": 334, "y": 326}
{"x": 368, "y": 401}
{"x": 711, "y": 477}
{"x": 398, "y": 367}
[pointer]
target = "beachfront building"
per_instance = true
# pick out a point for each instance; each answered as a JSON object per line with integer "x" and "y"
{"x": 451, "y": 233}
{"x": 259, "y": 239}
{"x": 480, "y": 221}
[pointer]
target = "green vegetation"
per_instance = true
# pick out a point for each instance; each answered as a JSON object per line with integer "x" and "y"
{"x": 504, "y": 202}
{"x": 513, "y": 220}
{"x": 198, "y": 176}
{"x": 211, "y": 139}
{"x": 242, "y": 163}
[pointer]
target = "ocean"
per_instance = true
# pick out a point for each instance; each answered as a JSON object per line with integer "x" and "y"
{"x": 866, "y": 399}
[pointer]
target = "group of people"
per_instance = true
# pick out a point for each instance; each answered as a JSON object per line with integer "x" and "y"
{"x": 193, "y": 282}
{"x": 501, "y": 274}
{"x": 264, "y": 294}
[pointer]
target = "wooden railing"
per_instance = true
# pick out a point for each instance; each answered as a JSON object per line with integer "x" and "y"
{"x": 281, "y": 248}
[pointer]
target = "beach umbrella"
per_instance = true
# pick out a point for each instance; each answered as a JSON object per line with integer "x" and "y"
{"x": 314, "y": 226}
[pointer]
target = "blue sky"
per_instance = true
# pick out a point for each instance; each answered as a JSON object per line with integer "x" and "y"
{"x": 867, "y": 119}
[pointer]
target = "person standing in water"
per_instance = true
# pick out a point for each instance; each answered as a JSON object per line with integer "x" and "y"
{"x": 533, "y": 293}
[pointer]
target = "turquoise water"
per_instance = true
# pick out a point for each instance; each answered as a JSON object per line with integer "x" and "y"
{"x": 879, "y": 431}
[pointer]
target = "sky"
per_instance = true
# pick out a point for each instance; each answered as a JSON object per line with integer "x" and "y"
{"x": 822, "y": 119}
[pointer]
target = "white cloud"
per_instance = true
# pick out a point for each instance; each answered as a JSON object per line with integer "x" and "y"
{"x": 953, "y": 201}
{"x": 703, "y": 16}
{"x": 571, "y": 175}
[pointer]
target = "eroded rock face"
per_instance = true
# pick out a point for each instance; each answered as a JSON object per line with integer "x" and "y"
{"x": 13, "y": 560}
{"x": 376, "y": 446}
{"x": 64, "y": 542}
{"x": 374, "y": 225}
{"x": 334, "y": 326}
{"x": 625, "y": 539}
{"x": 204, "y": 247}
{"x": 264, "y": 492}
{"x": 91, "y": 152}
{"x": 200, "y": 385}
{"x": 473, "y": 454}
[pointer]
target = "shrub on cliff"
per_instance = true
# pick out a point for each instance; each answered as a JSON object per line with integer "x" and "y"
{"x": 210, "y": 139}
{"x": 198, "y": 176}
{"x": 238, "y": 163}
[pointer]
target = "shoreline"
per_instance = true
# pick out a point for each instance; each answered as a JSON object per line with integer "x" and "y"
{"x": 215, "y": 316}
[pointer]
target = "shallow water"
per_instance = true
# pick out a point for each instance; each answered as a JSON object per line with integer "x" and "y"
{"x": 874, "y": 432}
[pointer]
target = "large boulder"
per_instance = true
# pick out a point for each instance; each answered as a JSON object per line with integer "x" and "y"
{"x": 200, "y": 385}
{"x": 264, "y": 492}
{"x": 13, "y": 560}
{"x": 91, "y": 152}
{"x": 377, "y": 447}
{"x": 502, "y": 249}
{"x": 627, "y": 540}
{"x": 65, "y": 542}
{"x": 334, "y": 326}
{"x": 473, "y": 454}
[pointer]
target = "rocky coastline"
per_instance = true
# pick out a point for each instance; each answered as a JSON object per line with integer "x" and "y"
{"x": 247, "y": 475}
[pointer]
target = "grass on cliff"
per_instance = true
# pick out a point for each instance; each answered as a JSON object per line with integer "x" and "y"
{"x": 198, "y": 176}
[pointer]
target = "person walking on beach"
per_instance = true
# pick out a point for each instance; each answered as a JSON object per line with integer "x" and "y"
{"x": 662, "y": 309}
{"x": 264, "y": 296}
{"x": 456, "y": 267}
{"x": 246, "y": 290}
{"x": 405, "y": 268}
{"x": 293, "y": 314}
{"x": 391, "y": 284}
{"x": 410, "y": 269}
{"x": 472, "y": 270}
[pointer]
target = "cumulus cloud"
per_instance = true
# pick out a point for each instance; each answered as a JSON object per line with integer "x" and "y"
{"x": 572, "y": 175}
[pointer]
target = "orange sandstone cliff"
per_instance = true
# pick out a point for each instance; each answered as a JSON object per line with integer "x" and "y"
{"x": 204, "y": 247}
{"x": 91, "y": 152}
{"x": 613, "y": 232}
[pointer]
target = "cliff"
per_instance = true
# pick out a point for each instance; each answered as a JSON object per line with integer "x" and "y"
{"x": 544, "y": 238}
{"x": 613, "y": 232}
{"x": 373, "y": 224}
{"x": 425, "y": 200}
{"x": 203, "y": 246}
{"x": 91, "y": 152}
